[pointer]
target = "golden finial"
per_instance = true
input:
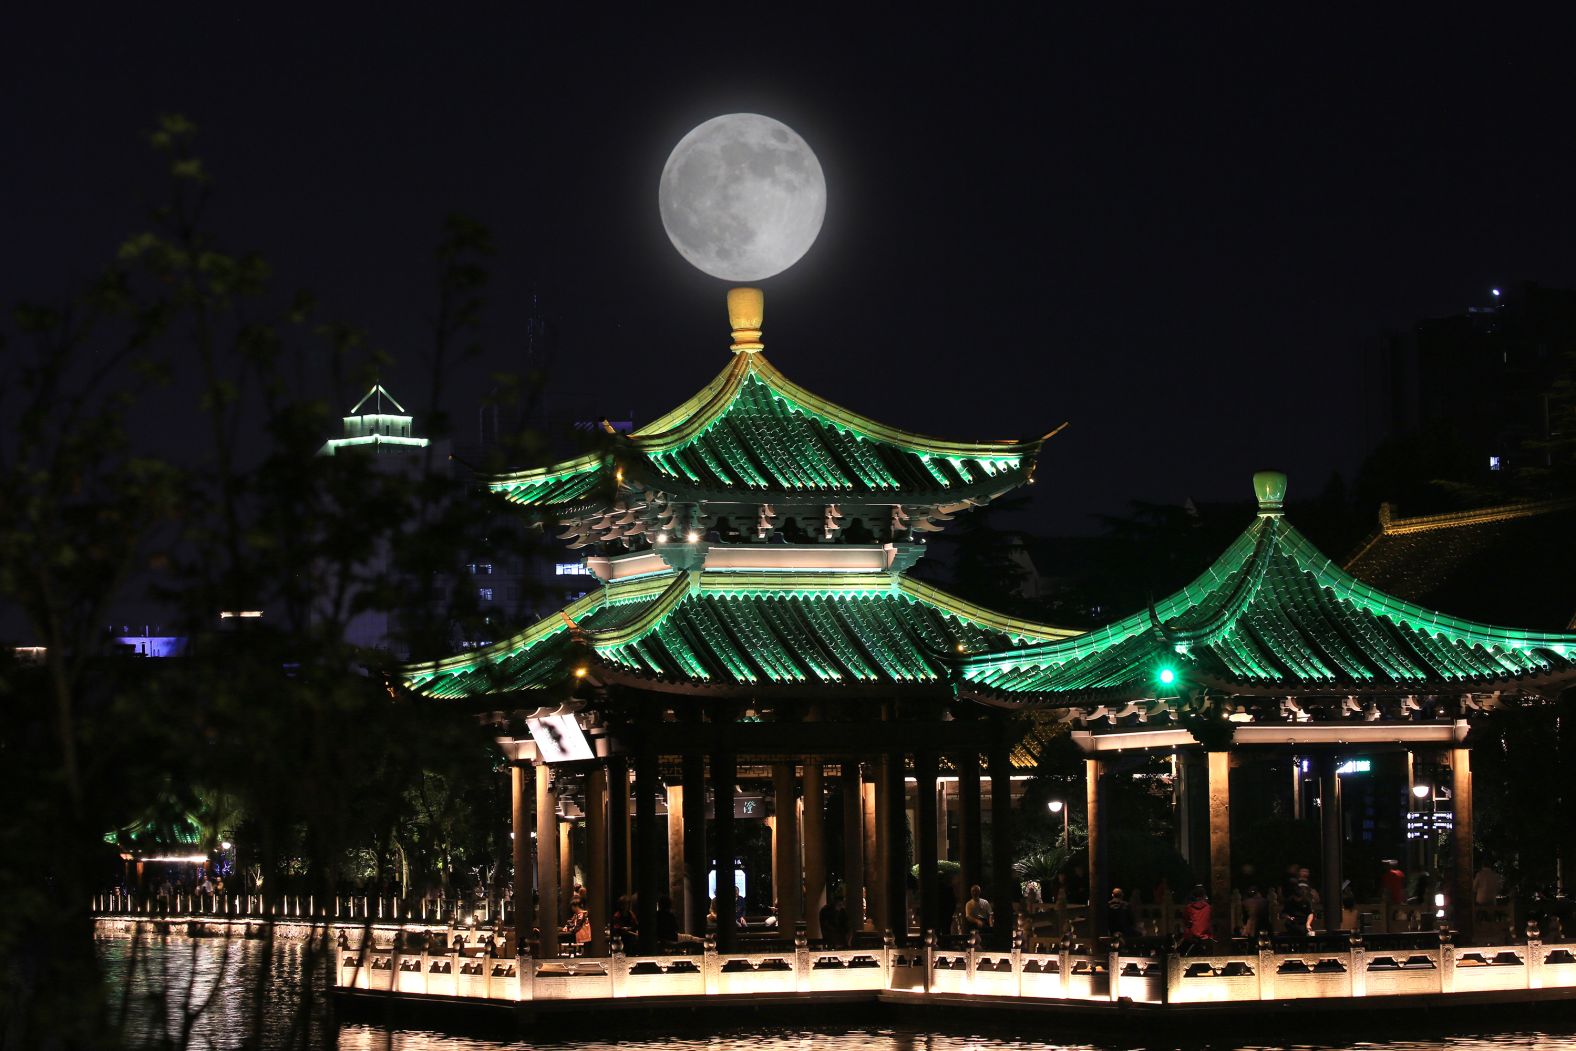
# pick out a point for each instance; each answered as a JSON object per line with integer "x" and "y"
{"x": 745, "y": 309}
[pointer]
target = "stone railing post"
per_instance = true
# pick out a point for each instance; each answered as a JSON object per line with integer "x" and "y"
{"x": 930, "y": 957}
{"x": 617, "y": 965}
{"x": 1174, "y": 967}
{"x": 888, "y": 941}
{"x": 1113, "y": 966}
{"x": 801, "y": 958}
{"x": 972, "y": 960}
{"x": 710, "y": 967}
{"x": 1017, "y": 962}
{"x": 1065, "y": 960}
{"x": 1447, "y": 961}
{"x": 1266, "y": 968}
{"x": 1357, "y": 965}
{"x": 1534, "y": 955}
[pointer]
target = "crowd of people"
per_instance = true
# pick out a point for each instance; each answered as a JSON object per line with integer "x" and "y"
{"x": 1299, "y": 907}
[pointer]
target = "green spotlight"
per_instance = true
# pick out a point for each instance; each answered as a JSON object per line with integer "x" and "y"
{"x": 1167, "y": 676}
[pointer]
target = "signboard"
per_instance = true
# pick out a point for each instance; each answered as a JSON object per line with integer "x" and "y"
{"x": 746, "y": 806}
{"x": 559, "y": 738}
{"x": 1424, "y": 824}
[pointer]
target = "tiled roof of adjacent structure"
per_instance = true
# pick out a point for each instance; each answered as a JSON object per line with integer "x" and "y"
{"x": 1511, "y": 562}
{"x": 1274, "y": 615}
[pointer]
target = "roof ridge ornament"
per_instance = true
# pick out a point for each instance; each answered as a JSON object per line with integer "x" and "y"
{"x": 1270, "y": 488}
{"x": 746, "y": 308}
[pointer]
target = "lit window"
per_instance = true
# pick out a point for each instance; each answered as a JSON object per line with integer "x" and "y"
{"x": 573, "y": 569}
{"x": 485, "y": 594}
{"x": 1493, "y": 463}
{"x": 483, "y": 569}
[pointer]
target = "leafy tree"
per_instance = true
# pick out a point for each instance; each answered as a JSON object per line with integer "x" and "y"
{"x": 278, "y": 728}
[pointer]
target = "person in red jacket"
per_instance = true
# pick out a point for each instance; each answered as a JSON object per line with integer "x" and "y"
{"x": 1198, "y": 922}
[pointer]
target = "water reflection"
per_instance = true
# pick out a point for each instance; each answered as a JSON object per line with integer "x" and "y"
{"x": 211, "y": 993}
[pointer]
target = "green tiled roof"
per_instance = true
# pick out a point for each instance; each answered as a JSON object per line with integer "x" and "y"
{"x": 740, "y": 630}
{"x": 1272, "y": 615}
{"x": 753, "y": 432}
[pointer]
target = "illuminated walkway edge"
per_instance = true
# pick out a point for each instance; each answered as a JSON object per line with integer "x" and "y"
{"x": 1522, "y": 972}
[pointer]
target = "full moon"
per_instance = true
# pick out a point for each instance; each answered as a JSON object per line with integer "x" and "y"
{"x": 742, "y": 197}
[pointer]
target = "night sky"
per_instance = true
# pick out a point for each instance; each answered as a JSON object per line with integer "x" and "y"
{"x": 1182, "y": 235}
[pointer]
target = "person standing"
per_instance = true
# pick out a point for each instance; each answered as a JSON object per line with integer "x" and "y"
{"x": 834, "y": 923}
{"x": 1118, "y": 915}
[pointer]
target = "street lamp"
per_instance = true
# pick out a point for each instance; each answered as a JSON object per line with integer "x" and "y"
{"x": 1058, "y": 807}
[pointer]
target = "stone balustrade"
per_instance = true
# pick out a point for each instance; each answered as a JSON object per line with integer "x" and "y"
{"x": 340, "y": 908}
{"x": 1070, "y": 974}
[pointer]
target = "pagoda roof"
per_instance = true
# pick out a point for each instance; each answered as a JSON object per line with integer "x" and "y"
{"x": 745, "y": 633}
{"x": 753, "y": 434}
{"x": 1273, "y": 616}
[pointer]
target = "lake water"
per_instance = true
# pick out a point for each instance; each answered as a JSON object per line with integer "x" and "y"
{"x": 223, "y": 989}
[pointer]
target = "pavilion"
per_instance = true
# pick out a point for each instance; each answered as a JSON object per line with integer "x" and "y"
{"x": 755, "y": 614}
{"x": 756, "y": 620}
{"x": 1276, "y": 649}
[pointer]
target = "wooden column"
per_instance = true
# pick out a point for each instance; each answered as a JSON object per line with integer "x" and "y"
{"x": 1003, "y": 887}
{"x": 853, "y": 845}
{"x": 1220, "y": 840}
{"x": 676, "y": 852}
{"x": 1094, "y": 794}
{"x": 943, "y": 816}
{"x": 969, "y": 813}
{"x": 547, "y": 917}
{"x": 724, "y": 775}
{"x": 814, "y": 829}
{"x": 788, "y": 877}
{"x": 696, "y": 898}
{"x": 896, "y": 849}
{"x": 596, "y": 858}
{"x": 566, "y": 864}
{"x": 930, "y": 918}
{"x": 1462, "y": 897}
{"x": 649, "y": 869}
{"x": 520, "y": 829}
{"x": 617, "y": 829}
{"x": 1333, "y": 838}
{"x": 875, "y": 844}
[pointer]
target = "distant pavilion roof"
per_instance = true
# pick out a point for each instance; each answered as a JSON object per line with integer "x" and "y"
{"x": 1274, "y": 616}
{"x": 740, "y": 633}
{"x": 1488, "y": 562}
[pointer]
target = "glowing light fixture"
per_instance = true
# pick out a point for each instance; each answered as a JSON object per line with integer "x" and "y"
{"x": 693, "y": 537}
{"x": 1496, "y": 292}
{"x": 1167, "y": 676}
{"x": 1420, "y": 791}
{"x": 1056, "y": 806}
